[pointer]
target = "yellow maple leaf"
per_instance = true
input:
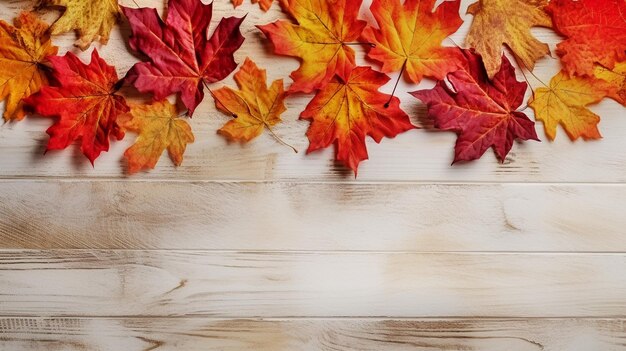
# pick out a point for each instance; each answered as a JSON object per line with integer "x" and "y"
{"x": 255, "y": 106}
{"x": 159, "y": 128}
{"x": 564, "y": 102}
{"x": 616, "y": 77}
{"x": 23, "y": 50}
{"x": 508, "y": 22}
{"x": 92, "y": 19}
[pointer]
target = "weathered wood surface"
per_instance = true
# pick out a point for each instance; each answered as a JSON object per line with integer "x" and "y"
{"x": 255, "y": 247}
{"x": 52, "y": 214}
{"x": 310, "y": 284}
{"x": 201, "y": 334}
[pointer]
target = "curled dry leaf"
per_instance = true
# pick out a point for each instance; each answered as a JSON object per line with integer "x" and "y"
{"x": 410, "y": 35}
{"x": 264, "y": 4}
{"x": 564, "y": 103}
{"x": 23, "y": 52}
{"x": 182, "y": 57}
{"x": 481, "y": 111}
{"x": 85, "y": 100}
{"x": 321, "y": 39}
{"x": 345, "y": 112}
{"x": 595, "y": 32}
{"x": 92, "y": 19}
{"x": 254, "y": 106}
{"x": 508, "y": 22}
{"x": 159, "y": 127}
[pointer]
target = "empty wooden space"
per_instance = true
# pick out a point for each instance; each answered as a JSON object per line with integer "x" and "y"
{"x": 254, "y": 247}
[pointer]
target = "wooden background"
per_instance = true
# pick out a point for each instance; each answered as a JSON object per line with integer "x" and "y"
{"x": 257, "y": 248}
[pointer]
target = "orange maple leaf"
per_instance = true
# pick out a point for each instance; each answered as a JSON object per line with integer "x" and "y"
{"x": 159, "y": 127}
{"x": 616, "y": 77}
{"x": 320, "y": 39}
{"x": 254, "y": 106}
{"x": 564, "y": 103}
{"x": 508, "y": 22}
{"x": 410, "y": 37}
{"x": 264, "y": 4}
{"x": 595, "y": 32}
{"x": 23, "y": 52}
{"x": 345, "y": 112}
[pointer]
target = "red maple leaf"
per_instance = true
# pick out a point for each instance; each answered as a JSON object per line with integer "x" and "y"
{"x": 482, "y": 112}
{"x": 595, "y": 31}
{"x": 85, "y": 100}
{"x": 182, "y": 57}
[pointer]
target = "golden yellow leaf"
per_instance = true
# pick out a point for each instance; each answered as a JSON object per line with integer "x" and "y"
{"x": 159, "y": 128}
{"x": 255, "y": 106}
{"x": 507, "y": 22}
{"x": 92, "y": 19}
{"x": 23, "y": 50}
{"x": 564, "y": 103}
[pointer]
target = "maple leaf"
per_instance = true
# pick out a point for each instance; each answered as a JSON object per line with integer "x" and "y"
{"x": 410, "y": 36}
{"x": 85, "y": 100}
{"x": 564, "y": 101}
{"x": 92, "y": 19}
{"x": 264, "y": 4}
{"x": 254, "y": 106}
{"x": 345, "y": 112}
{"x": 321, "y": 39}
{"x": 23, "y": 52}
{"x": 616, "y": 77}
{"x": 182, "y": 58}
{"x": 508, "y": 22}
{"x": 595, "y": 31}
{"x": 159, "y": 128}
{"x": 480, "y": 111}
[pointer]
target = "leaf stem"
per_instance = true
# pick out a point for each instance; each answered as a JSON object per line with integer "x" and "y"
{"x": 358, "y": 43}
{"x": 396, "y": 85}
{"x": 278, "y": 138}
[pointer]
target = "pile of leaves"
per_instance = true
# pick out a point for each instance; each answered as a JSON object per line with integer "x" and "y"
{"x": 476, "y": 94}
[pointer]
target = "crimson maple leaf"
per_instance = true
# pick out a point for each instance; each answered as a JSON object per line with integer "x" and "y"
{"x": 182, "y": 57}
{"x": 85, "y": 99}
{"x": 482, "y": 112}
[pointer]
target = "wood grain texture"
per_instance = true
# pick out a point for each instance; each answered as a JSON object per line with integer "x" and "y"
{"x": 419, "y": 155}
{"x": 308, "y": 217}
{"x": 200, "y": 334}
{"x": 286, "y": 284}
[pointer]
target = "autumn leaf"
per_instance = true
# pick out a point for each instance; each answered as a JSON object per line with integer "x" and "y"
{"x": 480, "y": 111}
{"x": 564, "y": 102}
{"x": 345, "y": 112}
{"x": 264, "y": 4}
{"x": 85, "y": 100}
{"x": 254, "y": 106}
{"x": 321, "y": 39}
{"x": 23, "y": 52}
{"x": 182, "y": 57}
{"x": 410, "y": 36}
{"x": 616, "y": 77}
{"x": 160, "y": 128}
{"x": 508, "y": 22}
{"x": 595, "y": 32}
{"x": 92, "y": 19}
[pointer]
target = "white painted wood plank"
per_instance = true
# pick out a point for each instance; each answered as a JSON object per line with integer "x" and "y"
{"x": 417, "y": 155}
{"x": 285, "y": 284}
{"x": 201, "y": 334}
{"x": 284, "y": 216}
